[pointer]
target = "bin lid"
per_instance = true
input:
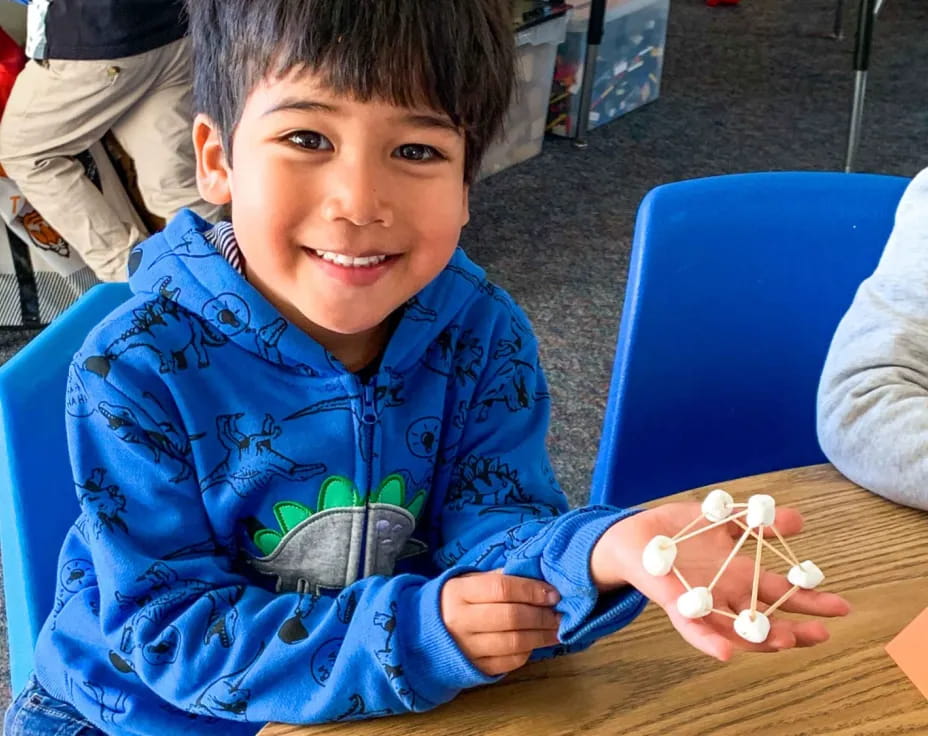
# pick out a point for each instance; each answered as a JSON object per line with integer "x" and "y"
{"x": 580, "y": 13}
{"x": 529, "y": 13}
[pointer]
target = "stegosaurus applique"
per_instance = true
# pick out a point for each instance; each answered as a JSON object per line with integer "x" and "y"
{"x": 321, "y": 548}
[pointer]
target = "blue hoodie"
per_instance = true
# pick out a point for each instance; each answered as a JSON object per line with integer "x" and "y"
{"x": 264, "y": 535}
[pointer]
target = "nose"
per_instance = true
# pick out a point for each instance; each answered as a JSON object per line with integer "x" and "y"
{"x": 356, "y": 193}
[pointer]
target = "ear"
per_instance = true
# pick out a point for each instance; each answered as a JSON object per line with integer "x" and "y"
{"x": 213, "y": 171}
{"x": 465, "y": 207}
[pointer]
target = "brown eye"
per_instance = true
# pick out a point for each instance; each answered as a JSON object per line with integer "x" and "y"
{"x": 417, "y": 152}
{"x": 310, "y": 140}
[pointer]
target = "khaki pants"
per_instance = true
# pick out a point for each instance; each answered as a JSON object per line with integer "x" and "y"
{"x": 59, "y": 108}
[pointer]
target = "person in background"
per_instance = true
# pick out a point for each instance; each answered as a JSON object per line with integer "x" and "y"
{"x": 120, "y": 65}
{"x": 873, "y": 394}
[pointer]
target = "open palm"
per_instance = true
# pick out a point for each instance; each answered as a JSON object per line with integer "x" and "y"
{"x": 699, "y": 560}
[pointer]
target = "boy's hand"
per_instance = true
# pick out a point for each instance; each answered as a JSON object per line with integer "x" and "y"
{"x": 498, "y": 620}
{"x": 616, "y": 560}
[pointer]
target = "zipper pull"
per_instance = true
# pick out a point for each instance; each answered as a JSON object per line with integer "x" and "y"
{"x": 368, "y": 410}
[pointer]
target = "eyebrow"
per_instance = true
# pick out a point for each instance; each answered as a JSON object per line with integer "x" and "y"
{"x": 423, "y": 120}
{"x": 299, "y": 104}
{"x": 416, "y": 120}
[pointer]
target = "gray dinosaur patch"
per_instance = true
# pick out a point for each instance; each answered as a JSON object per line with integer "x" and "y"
{"x": 323, "y": 549}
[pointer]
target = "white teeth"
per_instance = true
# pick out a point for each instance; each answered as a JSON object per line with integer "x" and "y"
{"x": 348, "y": 261}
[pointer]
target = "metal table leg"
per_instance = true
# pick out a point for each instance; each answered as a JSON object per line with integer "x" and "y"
{"x": 865, "y": 18}
{"x": 594, "y": 39}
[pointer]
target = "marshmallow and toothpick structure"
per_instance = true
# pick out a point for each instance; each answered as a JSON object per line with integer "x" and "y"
{"x": 719, "y": 508}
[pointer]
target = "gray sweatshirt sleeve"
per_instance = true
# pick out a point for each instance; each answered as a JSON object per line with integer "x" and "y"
{"x": 873, "y": 395}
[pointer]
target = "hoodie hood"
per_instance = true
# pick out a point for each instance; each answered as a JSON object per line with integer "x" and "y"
{"x": 215, "y": 291}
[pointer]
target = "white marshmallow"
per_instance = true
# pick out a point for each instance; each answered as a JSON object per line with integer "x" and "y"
{"x": 805, "y": 575}
{"x": 695, "y": 603}
{"x": 762, "y": 510}
{"x": 659, "y": 555}
{"x": 717, "y": 505}
{"x": 755, "y": 630}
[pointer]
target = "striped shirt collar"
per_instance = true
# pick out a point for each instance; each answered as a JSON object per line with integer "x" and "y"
{"x": 222, "y": 237}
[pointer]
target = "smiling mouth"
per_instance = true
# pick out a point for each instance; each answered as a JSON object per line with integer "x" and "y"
{"x": 340, "y": 259}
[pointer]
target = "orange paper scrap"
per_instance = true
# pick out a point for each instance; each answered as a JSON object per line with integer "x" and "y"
{"x": 910, "y": 650}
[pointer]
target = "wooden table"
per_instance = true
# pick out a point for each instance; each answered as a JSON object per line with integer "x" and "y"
{"x": 646, "y": 681}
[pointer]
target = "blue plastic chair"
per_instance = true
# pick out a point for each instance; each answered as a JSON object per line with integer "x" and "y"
{"x": 37, "y": 499}
{"x": 735, "y": 288}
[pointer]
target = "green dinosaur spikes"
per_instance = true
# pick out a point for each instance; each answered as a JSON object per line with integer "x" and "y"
{"x": 267, "y": 540}
{"x": 290, "y": 513}
{"x": 392, "y": 490}
{"x": 415, "y": 506}
{"x": 338, "y": 492}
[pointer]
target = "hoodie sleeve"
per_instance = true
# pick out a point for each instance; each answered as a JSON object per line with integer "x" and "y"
{"x": 873, "y": 395}
{"x": 175, "y": 607}
{"x": 503, "y": 507}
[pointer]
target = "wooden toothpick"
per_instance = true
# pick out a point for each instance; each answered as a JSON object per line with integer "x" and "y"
{"x": 707, "y": 528}
{"x": 760, "y": 548}
{"x": 783, "y": 598}
{"x": 786, "y": 546}
{"x": 767, "y": 544}
{"x": 689, "y": 526}
{"x": 730, "y": 558}
{"x": 724, "y": 613}
{"x": 680, "y": 577}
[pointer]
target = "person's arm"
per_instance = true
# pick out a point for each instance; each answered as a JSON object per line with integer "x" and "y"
{"x": 175, "y": 608}
{"x": 503, "y": 508}
{"x": 873, "y": 395}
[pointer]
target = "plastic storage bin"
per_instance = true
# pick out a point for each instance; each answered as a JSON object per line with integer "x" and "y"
{"x": 524, "y": 129}
{"x": 628, "y": 65}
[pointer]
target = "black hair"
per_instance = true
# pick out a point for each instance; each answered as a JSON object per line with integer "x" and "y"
{"x": 453, "y": 56}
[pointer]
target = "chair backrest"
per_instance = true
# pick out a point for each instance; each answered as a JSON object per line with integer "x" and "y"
{"x": 37, "y": 499}
{"x": 735, "y": 288}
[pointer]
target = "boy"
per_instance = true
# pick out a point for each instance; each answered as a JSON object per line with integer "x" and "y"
{"x": 308, "y": 445}
{"x": 871, "y": 402}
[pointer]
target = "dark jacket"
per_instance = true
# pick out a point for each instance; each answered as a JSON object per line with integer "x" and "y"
{"x": 102, "y": 29}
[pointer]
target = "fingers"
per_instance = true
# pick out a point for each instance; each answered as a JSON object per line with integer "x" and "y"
{"x": 781, "y": 637}
{"x": 494, "y": 666}
{"x": 503, "y": 635}
{"x": 788, "y": 521}
{"x": 487, "y": 617}
{"x": 814, "y": 603}
{"x": 715, "y": 636}
{"x": 809, "y": 633}
{"x": 510, "y": 643}
{"x": 703, "y": 636}
{"x": 494, "y": 587}
{"x": 811, "y": 602}
{"x": 498, "y": 620}
{"x": 786, "y": 634}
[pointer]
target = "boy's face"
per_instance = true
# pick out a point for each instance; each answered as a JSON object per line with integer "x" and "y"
{"x": 343, "y": 210}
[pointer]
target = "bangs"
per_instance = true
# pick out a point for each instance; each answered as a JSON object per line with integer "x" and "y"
{"x": 450, "y": 56}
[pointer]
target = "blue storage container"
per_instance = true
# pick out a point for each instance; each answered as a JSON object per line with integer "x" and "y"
{"x": 628, "y": 65}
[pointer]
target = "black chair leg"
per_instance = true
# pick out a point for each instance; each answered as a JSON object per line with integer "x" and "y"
{"x": 865, "y": 20}
{"x": 838, "y": 32}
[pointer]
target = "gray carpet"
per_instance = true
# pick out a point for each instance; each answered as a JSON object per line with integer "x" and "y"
{"x": 744, "y": 89}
